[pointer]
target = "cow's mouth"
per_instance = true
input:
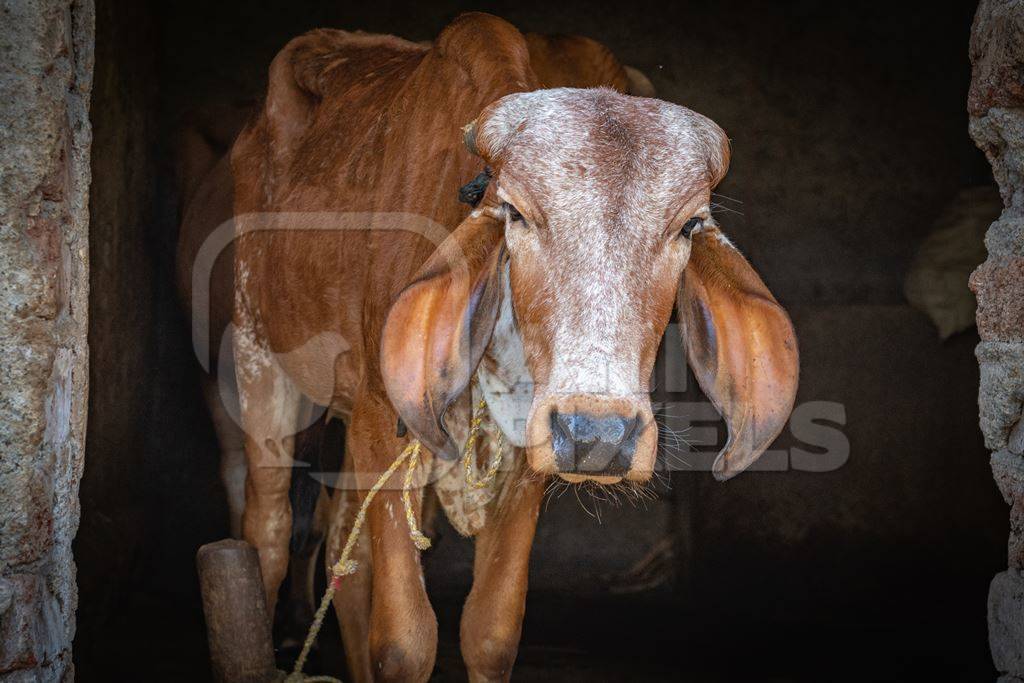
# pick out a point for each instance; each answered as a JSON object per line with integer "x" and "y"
{"x": 597, "y": 479}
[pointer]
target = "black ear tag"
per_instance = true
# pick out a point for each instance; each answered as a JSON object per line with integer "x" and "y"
{"x": 472, "y": 192}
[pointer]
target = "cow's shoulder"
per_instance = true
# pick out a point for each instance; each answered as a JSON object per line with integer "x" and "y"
{"x": 328, "y": 68}
{"x": 479, "y": 53}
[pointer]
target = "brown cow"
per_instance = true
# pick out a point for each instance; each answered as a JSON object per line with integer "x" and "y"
{"x": 363, "y": 285}
{"x": 207, "y": 192}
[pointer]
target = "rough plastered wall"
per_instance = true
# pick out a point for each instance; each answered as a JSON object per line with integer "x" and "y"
{"x": 46, "y": 60}
{"x": 996, "y": 106}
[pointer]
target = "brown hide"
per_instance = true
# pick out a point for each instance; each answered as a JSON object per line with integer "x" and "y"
{"x": 358, "y": 154}
{"x": 574, "y": 62}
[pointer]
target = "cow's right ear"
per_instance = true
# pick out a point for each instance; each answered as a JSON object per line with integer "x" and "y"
{"x": 438, "y": 328}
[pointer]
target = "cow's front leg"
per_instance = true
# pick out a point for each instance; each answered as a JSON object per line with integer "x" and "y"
{"x": 269, "y": 405}
{"x": 493, "y": 616}
{"x": 352, "y": 598}
{"x": 403, "y": 628}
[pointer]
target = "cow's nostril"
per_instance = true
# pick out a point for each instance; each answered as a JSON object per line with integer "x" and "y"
{"x": 589, "y": 444}
{"x": 562, "y": 442}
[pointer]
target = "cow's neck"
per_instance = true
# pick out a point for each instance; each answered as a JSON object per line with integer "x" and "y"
{"x": 503, "y": 376}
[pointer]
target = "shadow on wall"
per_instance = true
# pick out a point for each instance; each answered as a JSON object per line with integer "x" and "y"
{"x": 849, "y": 134}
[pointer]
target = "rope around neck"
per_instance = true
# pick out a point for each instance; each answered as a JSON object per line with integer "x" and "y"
{"x": 345, "y": 565}
{"x": 468, "y": 452}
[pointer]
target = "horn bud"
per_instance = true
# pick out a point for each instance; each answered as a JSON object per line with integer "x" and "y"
{"x": 469, "y": 137}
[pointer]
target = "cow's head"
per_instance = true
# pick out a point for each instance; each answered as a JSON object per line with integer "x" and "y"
{"x": 598, "y": 216}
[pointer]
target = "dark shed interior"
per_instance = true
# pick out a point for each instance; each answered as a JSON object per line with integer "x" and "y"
{"x": 849, "y": 136}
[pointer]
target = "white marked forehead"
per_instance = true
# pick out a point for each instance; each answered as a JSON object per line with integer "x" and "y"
{"x": 569, "y": 123}
{"x": 596, "y": 156}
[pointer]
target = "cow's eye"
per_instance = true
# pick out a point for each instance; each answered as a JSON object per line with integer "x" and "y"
{"x": 512, "y": 212}
{"x": 695, "y": 223}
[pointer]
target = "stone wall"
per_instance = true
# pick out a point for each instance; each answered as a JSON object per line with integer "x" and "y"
{"x": 46, "y": 60}
{"x": 996, "y": 106}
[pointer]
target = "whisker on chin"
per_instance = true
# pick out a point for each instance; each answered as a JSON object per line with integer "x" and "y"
{"x": 673, "y": 440}
{"x": 556, "y": 489}
{"x": 576, "y": 491}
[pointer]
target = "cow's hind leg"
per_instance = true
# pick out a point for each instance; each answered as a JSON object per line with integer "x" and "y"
{"x": 309, "y": 512}
{"x": 232, "y": 452}
{"x": 269, "y": 409}
{"x": 492, "y": 618}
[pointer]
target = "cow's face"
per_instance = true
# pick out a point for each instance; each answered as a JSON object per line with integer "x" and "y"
{"x": 599, "y": 203}
{"x": 600, "y": 194}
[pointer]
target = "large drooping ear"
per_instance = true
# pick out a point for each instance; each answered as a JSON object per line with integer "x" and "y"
{"x": 741, "y": 345}
{"x": 438, "y": 328}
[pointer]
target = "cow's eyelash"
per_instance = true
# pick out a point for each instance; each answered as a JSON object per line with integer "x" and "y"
{"x": 512, "y": 212}
{"x": 692, "y": 225}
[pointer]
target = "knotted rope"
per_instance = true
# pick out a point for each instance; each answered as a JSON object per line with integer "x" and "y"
{"x": 345, "y": 565}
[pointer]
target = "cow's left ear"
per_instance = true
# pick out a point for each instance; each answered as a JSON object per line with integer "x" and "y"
{"x": 438, "y": 328}
{"x": 741, "y": 345}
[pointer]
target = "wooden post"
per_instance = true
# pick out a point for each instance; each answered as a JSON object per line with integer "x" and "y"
{"x": 235, "y": 605}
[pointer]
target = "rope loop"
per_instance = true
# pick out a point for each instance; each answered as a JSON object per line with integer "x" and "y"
{"x": 418, "y": 538}
{"x": 469, "y": 452}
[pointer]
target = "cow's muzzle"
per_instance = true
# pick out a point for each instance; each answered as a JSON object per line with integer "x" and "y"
{"x": 593, "y": 437}
{"x": 588, "y": 444}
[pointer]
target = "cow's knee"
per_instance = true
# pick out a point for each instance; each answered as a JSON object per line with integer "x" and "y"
{"x": 408, "y": 658}
{"x": 489, "y": 654}
{"x": 403, "y": 642}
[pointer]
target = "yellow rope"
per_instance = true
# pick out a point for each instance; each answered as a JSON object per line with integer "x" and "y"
{"x": 469, "y": 453}
{"x": 345, "y": 566}
{"x": 421, "y": 541}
